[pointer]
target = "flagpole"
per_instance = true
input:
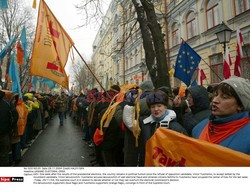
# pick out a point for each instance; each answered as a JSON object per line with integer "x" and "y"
{"x": 89, "y": 68}
{"x": 211, "y": 69}
{"x": 205, "y": 62}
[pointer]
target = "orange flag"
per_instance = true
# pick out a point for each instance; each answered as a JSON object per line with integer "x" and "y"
{"x": 20, "y": 53}
{"x": 34, "y": 4}
{"x": 169, "y": 148}
{"x": 51, "y": 48}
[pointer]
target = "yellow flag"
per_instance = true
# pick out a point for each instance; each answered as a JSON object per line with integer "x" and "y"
{"x": 51, "y": 48}
{"x": 34, "y": 4}
{"x": 170, "y": 148}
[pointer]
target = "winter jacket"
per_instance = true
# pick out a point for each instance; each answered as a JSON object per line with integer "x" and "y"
{"x": 239, "y": 141}
{"x": 148, "y": 127}
{"x": 199, "y": 111}
{"x": 5, "y": 115}
{"x": 61, "y": 102}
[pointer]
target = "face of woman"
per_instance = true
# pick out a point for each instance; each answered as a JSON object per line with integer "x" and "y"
{"x": 158, "y": 110}
{"x": 224, "y": 105}
{"x": 190, "y": 100}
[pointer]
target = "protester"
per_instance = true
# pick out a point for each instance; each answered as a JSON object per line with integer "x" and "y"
{"x": 229, "y": 123}
{"x": 198, "y": 102}
{"x": 5, "y": 130}
{"x": 110, "y": 146}
{"x": 131, "y": 151}
{"x": 61, "y": 102}
{"x": 160, "y": 116}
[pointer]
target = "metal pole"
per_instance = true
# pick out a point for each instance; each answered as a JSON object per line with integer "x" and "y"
{"x": 211, "y": 69}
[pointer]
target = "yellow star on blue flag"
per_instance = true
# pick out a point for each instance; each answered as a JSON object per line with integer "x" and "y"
{"x": 186, "y": 63}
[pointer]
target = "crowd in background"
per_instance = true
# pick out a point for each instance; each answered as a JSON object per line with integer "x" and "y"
{"x": 119, "y": 127}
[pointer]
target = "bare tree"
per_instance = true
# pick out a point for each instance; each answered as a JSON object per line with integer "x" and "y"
{"x": 81, "y": 75}
{"x": 153, "y": 42}
{"x": 12, "y": 21}
{"x": 151, "y": 33}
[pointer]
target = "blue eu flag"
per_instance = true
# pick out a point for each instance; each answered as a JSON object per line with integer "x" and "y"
{"x": 186, "y": 63}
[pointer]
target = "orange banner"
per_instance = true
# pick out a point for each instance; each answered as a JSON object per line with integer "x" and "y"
{"x": 169, "y": 148}
{"x": 51, "y": 48}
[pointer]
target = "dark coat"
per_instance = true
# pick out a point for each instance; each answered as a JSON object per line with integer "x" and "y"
{"x": 199, "y": 111}
{"x": 5, "y": 115}
{"x": 148, "y": 128}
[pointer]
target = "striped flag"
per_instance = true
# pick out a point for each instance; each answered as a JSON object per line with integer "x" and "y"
{"x": 227, "y": 64}
{"x": 239, "y": 54}
{"x": 201, "y": 76}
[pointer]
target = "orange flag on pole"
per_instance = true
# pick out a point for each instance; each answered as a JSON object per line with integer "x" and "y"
{"x": 169, "y": 148}
{"x": 51, "y": 48}
{"x": 20, "y": 53}
{"x": 34, "y": 4}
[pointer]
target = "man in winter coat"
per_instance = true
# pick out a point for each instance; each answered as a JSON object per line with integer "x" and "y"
{"x": 61, "y": 103}
{"x": 5, "y": 130}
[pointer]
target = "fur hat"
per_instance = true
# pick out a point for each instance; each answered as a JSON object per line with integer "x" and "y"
{"x": 242, "y": 88}
{"x": 157, "y": 97}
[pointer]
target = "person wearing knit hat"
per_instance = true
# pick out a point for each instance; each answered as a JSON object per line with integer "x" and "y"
{"x": 229, "y": 123}
{"x": 161, "y": 116}
{"x": 242, "y": 88}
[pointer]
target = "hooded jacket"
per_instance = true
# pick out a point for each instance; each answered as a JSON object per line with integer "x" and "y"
{"x": 199, "y": 111}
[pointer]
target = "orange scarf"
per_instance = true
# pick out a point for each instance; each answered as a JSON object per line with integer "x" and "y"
{"x": 215, "y": 133}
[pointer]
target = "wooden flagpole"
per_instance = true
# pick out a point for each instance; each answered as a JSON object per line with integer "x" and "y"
{"x": 89, "y": 68}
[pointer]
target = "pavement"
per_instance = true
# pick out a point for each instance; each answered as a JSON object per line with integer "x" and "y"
{"x": 59, "y": 146}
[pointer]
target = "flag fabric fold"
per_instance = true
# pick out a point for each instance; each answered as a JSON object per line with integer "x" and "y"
{"x": 20, "y": 53}
{"x": 186, "y": 63}
{"x": 226, "y": 65}
{"x": 201, "y": 76}
{"x": 14, "y": 76}
{"x": 7, "y": 48}
{"x": 34, "y": 81}
{"x": 170, "y": 149}
{"x": 23, "y": 42}
{"x": 51, "y": 48}
{"x": 3, "y": 4}
{"x": 48, "y": 82}
{"x": 239, "y": 54}
{"x": 34, "y": 4}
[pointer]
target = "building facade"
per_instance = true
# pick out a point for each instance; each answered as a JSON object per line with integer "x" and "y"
{"x": 118, "y": 51}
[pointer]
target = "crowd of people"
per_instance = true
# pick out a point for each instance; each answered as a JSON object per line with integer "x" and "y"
{"x": 119, "y": 122}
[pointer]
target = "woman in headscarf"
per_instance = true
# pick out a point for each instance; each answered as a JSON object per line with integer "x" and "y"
{"x": 229, "y": 123}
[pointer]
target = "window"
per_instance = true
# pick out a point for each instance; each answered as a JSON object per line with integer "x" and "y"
{"x": 175, "y": 34}
{"x": 241, "y": 6}
{"x": 245, "y": 62}
{"x": 131, "y": 60}
{"x": 216, "y": 63}
{"x": 212, "y": 13}
{"x": 190, "y": 25}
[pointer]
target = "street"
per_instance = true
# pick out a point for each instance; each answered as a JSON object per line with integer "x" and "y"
{"x": 58, "y": 146}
